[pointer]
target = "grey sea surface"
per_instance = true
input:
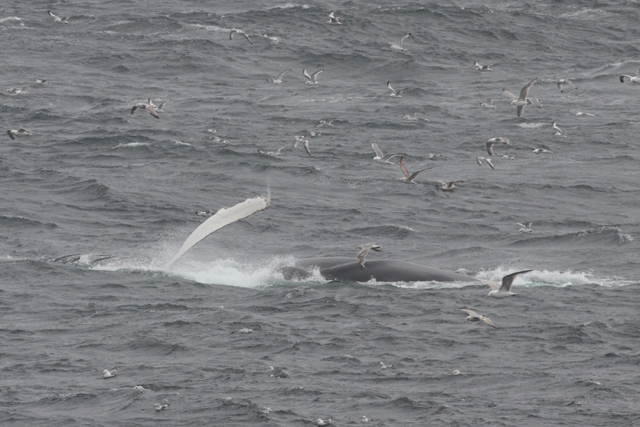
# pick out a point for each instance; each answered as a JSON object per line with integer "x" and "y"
{"x": 220, "y": 335}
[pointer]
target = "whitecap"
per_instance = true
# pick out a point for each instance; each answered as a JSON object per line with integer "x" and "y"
{"x": 10, "y": 18}
{"x": 132, "y": 145}
{"x": 532, "y": 125}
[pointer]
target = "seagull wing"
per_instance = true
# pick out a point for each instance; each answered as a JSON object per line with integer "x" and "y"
{"x": 162, "y": 104}
{"x": 403, "y": 168}
{"x": 231, "y": 34}
{"x": 390, "y": 88}
{"x": 388, "y": 156}
{"x": 364, "y": 250}
{"x": 282, "y": 74}
{"x": 379, "y": 152}
{"x": 413, "y": 175}
{"x": 304, "y": 73}
{"x": 519, "y": 110}
{"x": 507, "y": 280}
{"x": 135, "y": 108}
{"x": 280, "y": 149}
{"x": 56, "y": 17}
{"x": 525, "y": 90}
{"x": 489, "y": 163}
{"x": 509, "y": 94}
{"x": 493, "y": 285}
{"x": 305, "y": 143}
{"x": 521, "y": 225}
{"x": 247, "y": 37}
{"x": 559, "y": 84}
{"x": 488, "y": 321}
{"x": 152, "y": 110}
{"x": 489, "y": 146}
{"x": 11, "y": 135}
{"x": 470, "y": 312}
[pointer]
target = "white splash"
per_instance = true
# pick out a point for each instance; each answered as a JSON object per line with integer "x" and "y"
{"x": 132, "y": 145}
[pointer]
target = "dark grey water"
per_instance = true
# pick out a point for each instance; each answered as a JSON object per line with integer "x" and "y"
{"x": 94, "y": 179}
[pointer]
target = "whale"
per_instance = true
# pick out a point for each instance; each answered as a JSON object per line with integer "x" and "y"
{"x": 343, "y": 269}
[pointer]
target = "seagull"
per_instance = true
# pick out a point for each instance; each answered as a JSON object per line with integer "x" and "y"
{"x": 540, "y": 150}
{"x": 433, "y": 156}
{"x": 488, "y": 104}
{"x": 381, "y": 157}
{"x": 522, "y": 101}
{"x": 480, "y": 159}
{"x": 298, "y": 139}
{"x": 475, "y": 317}
{"x": 393, "y": 93}
{"x": 480, "y": 67}
{"x": 314, "y": 134}
{"x": 632, "y": 79}
{"x": 40, "y": 81}
{"x": 364, "y": 250}
{"x": 580, "y": 113}
{"x": 406, "y": 177}
{"x": 505, "y": 157}
{"x": 333, "y": 19}
{"x": 149, "y": 107}
{"x": 413, "y": 117}
{"x": 242, "y": 33}
{"x": 565, "y": 82}
{"x": 525, "y": 228}
{"x": 559, "y": 132}
{"x": 278, "y": 80}
{"x": 503, "y": 290}
{"x": 109, "y": 373}
{"x": 56, "y": 18}
{"x": 159, "y": 407}
{"x": 212, "y": 130}
{"x": 159, "y": 108}
{"x": 325, "y": 123}
{"x": 273, "y": 153}
{"x": 216, "y": 138}
{"x": 399, "y": 46}
{"x": 489, "y": 144}
{"x": 305, "y": 144}
{"x": 16, "y": 91}
{"x": 364, "y": 419}
{"x": 455, "y": 372}
{"x": 204, "y": 213}
{"x": 322, "y": 422}
{"x": 311, "y": 79}
{"x": 20, "y": 132}
{"x": 448, "y": 186}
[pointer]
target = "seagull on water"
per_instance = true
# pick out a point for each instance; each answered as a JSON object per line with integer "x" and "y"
{"x": 448, "y": 186}
{"x": 480, "y": 159}
{"x": 565, "y": 82}
{"x": 408, "y": 178}
{"x": 160, "y": 407}
{"x": 364, "y": 250}
{"x": 632, "y": 79}
{"x": 17, "y": 91}
{"x": 278, "y": 80}
{"x": 480, "y": 67}
{"x": 413, "y": 117}
{"x": 503, "y": 290}
{"x": 540, "y": 150}
{"x": 399, "y": 46}
{"x": 205, "y": 214}
{"x": 56, "y": 18}
{"x": 40, "y": 81}
{"x": 522, "y": 101}
{"x": 505, "y": 157}
{"x": 580, "y": 113}
{"x": 325, "y": 123}
{"x": 242, "y": 33}
{"x": 333, "y": 19}
{"x": 149, "y": 107}
{"x": 488, "y": 104}
{"x": 393, "y": 93}
{"x": 381, "y": 157}
{"x": 273, "y": 153}
{"x": 475, "y": 317}
{"x": 20, "y": 132}
{"x": 559, "y": 132}
{"x": 525, "y": 228}
{"x": 489, "y": 144}
{"x": 109, "y": 373}
{"x": 311, "y": 79}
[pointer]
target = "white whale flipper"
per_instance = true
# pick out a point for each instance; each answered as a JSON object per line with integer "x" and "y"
{"x": 222, "y": 218}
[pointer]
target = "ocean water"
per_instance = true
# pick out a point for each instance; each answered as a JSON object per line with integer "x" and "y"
{"x": 220, "y": 335}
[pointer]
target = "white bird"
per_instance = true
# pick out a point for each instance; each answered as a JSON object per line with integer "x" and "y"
{"x": 272, "y": 153}
{"x": 322, "y": 422}
{"x": 408, "y": 178}
{"x": 525, "y": 228}
{"x": 40, "y": 81}
{"x": 505, "y": 157}
{"x": 297, "y": 139}
{"x": 565, "y": 82}
{"x": 523, "y": 100}
{"x": 212, "y": 130}
{"x": 20, "y": 132}
{"x": 475, "y": 317}
{"x": 216, "y": 138}
{"x": 433, "y": 156}
{"x": 311, "y": 79}
{"x": 632, "y": 79}
{"x": 109, "y": 373}
{"x": 242, "y": 33}
{"x": 413, "y": 117}
{"x": 503, "y": 290}
{"x": 455, "y": 372}
{"x": 312, "y": 133}
{"x": 480, "y": 67}
{"x": 160, "y": 407}
{"x": 56, "y": 18}
{"x": 399, "y": 46}
{"x": 540, "y": 150}
{"x": 488, "y": 104}
{"x": 489, "y": 144}
{"x": 149, "y": 107}
{"x": 393, "y": 93}
{"x": 364, "y": 419}
{"x": 559, "y": 132}
{"x": 448, "y": 186}
{"x": 325, "y": 123}
{"x": 278, "y": 80}
{"x": 364, "y": 250}
{"x": 17, "y": 91}
{"x": 204, "y": 213}
{"x": 580, "y": 113}
{"x": 381, "y": 157}
{"x": 480, "y": 159}
{"x": 333, "y": 19}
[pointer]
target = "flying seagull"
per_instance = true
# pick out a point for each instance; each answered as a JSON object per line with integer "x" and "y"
{"x": 311, "y": 79}
{"x": 380, "y": 156}
{"x": 399, "y": 46}
{"x": 488, "y": 104}
{"x": 480, "y": 67}
{"x": 56, "y": 18}
{"x": 632, "y": 79}
{"x": 523, "y": 100}
{"x": 364, "y": 250}
{"x": 480, "y": 159}
{"x": 273, "y": 153}
{"x": 503, "y": 290}
{"x": 393, "y": 93}
{"x": 559, "y": 132}
{"x": 525, "y": 228}
{"x": 565, "y": 82}
{"x": 408, "y": 178}
{"x": 20, "y": 132}
{"x": 278, "y": 80}
{"x": 333, "y": 19}
{"x": 149, "y": 107}
{"x": 489, "y": 144}
{"x": 448, "y": 186}
{"x": 475, "y": 317}
{"x": 242, "y": 33}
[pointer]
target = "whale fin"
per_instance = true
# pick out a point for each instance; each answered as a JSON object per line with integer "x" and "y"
{"x": 222, "y": 218}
